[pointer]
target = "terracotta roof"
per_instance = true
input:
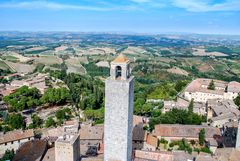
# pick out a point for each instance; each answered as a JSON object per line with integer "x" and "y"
{"x": 152, "y": 155}
{"x": 138, "y": 132}
{"x": 89, "y": 132}
{"x": 138, "y": 124}
{"x": 201, "y": 84}
{"x": 151, "y": 139}
{"x": 233, "y": 87}
{"x": 223, "y": 107}
{"x": 121, "y": 59}
{"x": 226, "y": 154}
{"x": 16, "y": 135}
{"x": 50, "y": 155}
{"x": 140, "y": 119}
{"x": 31, "y": 151}
{"x": 184, "y": 131}
{"x": 53, "y": 132}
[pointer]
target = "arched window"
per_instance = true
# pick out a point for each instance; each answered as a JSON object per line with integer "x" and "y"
{"x": 118, "y": 72}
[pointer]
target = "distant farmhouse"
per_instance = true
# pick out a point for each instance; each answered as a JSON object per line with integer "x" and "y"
{"x": 199, "y": 90}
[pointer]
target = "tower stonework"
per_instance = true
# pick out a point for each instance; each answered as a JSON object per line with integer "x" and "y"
{"x": 238, "y": 135}
{"x": 119, "y": 95}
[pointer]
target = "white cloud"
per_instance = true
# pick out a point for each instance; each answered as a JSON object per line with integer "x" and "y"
{"x": 207, "y": 6}
{"x": 61, "y": 6}
{"x": 104, "y": 5}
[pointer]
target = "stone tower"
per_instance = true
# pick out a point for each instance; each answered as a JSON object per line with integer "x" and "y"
{"x": 119, "y": 94}
{"x": 238, "y": 135}
{"x": 67, "y": 147}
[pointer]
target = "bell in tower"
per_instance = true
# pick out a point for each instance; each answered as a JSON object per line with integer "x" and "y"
{"x": 120, "y": 68}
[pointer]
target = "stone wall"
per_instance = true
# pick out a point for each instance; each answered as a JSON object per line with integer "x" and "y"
{"x": 13, "y": 145}
{"x": 119, "y": 96}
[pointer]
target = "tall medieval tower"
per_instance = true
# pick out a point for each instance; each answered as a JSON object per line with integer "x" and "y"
{"x": 238, "y": 135}
{"x": 119, "y": 95}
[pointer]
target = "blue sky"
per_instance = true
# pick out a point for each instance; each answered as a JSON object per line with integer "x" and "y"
{"x": 137, "y": 16}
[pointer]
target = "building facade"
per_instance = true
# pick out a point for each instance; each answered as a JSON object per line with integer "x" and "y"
{"x": 119, "y": 94}
{"x": 198, "y": 90}
{"x": 238, "y": 136}
{"x": 67, "y": 148}
{"x": 14, "y": 139}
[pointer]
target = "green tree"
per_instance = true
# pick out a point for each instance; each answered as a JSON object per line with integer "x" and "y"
{"x": 96, "y": 115}
{"x": 211, "y": 85}
{"x": 8, "y": 155}
{"x": 180, "y": 85}
{"x": 206, "y": 150}
{"x": 193, "y": 142}
{"x": 36, "y": 122}
{"x": 15, "y": 121}
{"x": 190, "y": 106}
{"x": 55, "y": 96}
{"x": 63, "y": 114}
{"x": 184, "y": 145}
{"x": 50, "y": 122}
{"x": 201, "y": 137}
{"x": 177, "y": 116}
{"x": 237, "y": 100}
{"x": 23, "y": 98}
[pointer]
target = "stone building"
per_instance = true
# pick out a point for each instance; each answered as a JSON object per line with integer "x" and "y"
{"x": 14, "y": 139}
{"x": 198, "y": 90}
{"x": 238, "y": 136}
{"x": 67, "y": 148}
{"x": 119, "y": 94}
{"x": 91, "y": 137}
{"x": 221, "y": 112}
{"x": 173, "y": 132}
{"x": 182, "y": 104}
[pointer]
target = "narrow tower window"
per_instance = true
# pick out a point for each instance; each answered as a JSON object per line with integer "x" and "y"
{"x": 118, "y": 72}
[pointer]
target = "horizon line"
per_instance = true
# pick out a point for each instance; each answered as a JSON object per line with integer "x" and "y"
{"x": 122, "y": 32}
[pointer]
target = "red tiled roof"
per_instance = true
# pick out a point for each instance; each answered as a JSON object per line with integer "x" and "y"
{"x": 121, "y": 59}
{"x": 151, "y": 139}
{"x": 89, "y": 132}
{"x": 184, "y": 131}
{"x": 31, "y": 150}
{"x": 16, "y": 135}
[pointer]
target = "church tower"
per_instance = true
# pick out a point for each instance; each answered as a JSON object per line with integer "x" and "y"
{"x": 119, "y": 94}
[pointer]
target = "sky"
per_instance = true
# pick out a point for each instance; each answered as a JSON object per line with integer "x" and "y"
{"x": 122, "y": 16}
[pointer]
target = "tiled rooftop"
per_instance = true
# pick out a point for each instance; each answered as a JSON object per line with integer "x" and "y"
{"x": 121, "y": 59}
{"x": 16, "y": 135}
{"x": 89, "y": 132}
{"x": 184, "y": 131}
{"x": 31, "y": 151}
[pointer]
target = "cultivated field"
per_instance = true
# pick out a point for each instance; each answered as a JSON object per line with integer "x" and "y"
{"x": 48, "y": 60}
{"x": 38, "y": 48}
{"x": 202, "y": 52}
{"x": 205, "y": 67}
{"x": 103, "y": 64}
{"x": 21, "y": 58}
{"x": 176, "y": 70}
{"x": 95, "y": 51}
{"x": 60, "y": 48}
{"x": 74, "y": 65}
{"x": 166, "y": 60}
{"x": 134, "y": 50}
{"x": 3, "y": 65}
{"x": 20, "y": 68}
